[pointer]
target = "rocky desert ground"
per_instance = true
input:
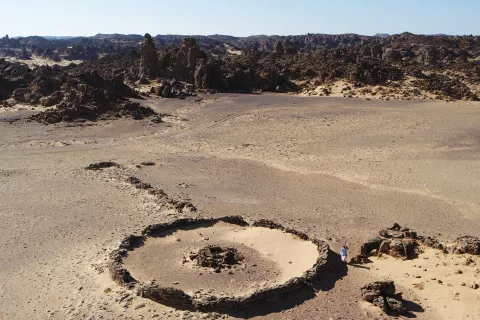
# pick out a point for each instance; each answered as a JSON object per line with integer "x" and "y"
{"x": 338, "y": 169}
{"x": 289, "y": 147}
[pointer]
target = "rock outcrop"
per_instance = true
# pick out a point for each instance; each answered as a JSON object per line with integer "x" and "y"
{"x": 429, "y": 55}
{"x": 77, "y": 92}
{"x": 437, "y": 67}
{"x": 405, "y": 243}
{"x": 186, "y": 60}
{"x": 397, "y": 242}
{"x": 24, "y": 55}
{"x": 278, "y": 48}
{"x": 148, "y": 60}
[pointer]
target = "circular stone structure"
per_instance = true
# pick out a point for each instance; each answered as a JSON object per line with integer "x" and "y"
{"x": 218, "y": 263}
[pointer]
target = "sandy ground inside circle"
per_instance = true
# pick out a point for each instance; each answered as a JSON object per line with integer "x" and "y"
{"x": 332, "y": 167}
{"x": 271, "y": 257}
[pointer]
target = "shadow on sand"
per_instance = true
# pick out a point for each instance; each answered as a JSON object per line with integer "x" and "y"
{"x": 336, "y": 270}
{"x": 412, "y": 307}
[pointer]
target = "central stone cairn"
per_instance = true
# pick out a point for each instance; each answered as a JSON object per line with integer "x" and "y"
{"x": 216, "y": 257}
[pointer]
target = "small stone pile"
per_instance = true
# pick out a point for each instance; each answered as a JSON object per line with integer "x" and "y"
{"x": 382, "y": 294}
{"x": 217, "y": 258}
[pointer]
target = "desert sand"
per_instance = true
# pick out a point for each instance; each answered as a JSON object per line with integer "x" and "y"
{"x": 338, "y": 169}
{"x": 38, "y": 61}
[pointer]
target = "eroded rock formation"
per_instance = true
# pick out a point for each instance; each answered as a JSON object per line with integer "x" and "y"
{"x": 148, "y": 60}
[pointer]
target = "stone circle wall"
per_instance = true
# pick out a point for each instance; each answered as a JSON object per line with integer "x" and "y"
{"x": 179, "y": 299}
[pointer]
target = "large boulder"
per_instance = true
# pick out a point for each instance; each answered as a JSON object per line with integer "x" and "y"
{"x": 400, "y": 248}
{"x": 467, "y": 244}
{"x": 382, "y": 294}
{"x": 378, "y": 288}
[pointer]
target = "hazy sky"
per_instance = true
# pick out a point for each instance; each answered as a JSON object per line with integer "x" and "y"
{"x": 237, "y": 17}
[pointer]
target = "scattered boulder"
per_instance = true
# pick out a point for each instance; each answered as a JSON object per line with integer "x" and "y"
{"x": 382, "y": 294}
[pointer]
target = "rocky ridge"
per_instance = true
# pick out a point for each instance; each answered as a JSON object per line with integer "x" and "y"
{"x": 402, "y": 66}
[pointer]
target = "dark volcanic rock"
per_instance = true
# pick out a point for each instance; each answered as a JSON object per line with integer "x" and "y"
{"x": 397, "y": 242}
{"x": 446, "y": 66}
{"x": 382, "y": 294}
{"x": 467, "y": 244}
{"x": 444, "y": 86}
{"x": 380, "y": 288}
{"x": 102, "y": 165}
{"x": 89, "y": 97}
{"x": 85, "y": 92}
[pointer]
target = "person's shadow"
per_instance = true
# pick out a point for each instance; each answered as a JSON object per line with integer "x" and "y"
{"x": 335, "y": 270}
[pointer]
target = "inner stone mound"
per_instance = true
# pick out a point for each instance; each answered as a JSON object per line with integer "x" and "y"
{"x": 217, "y": 258}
